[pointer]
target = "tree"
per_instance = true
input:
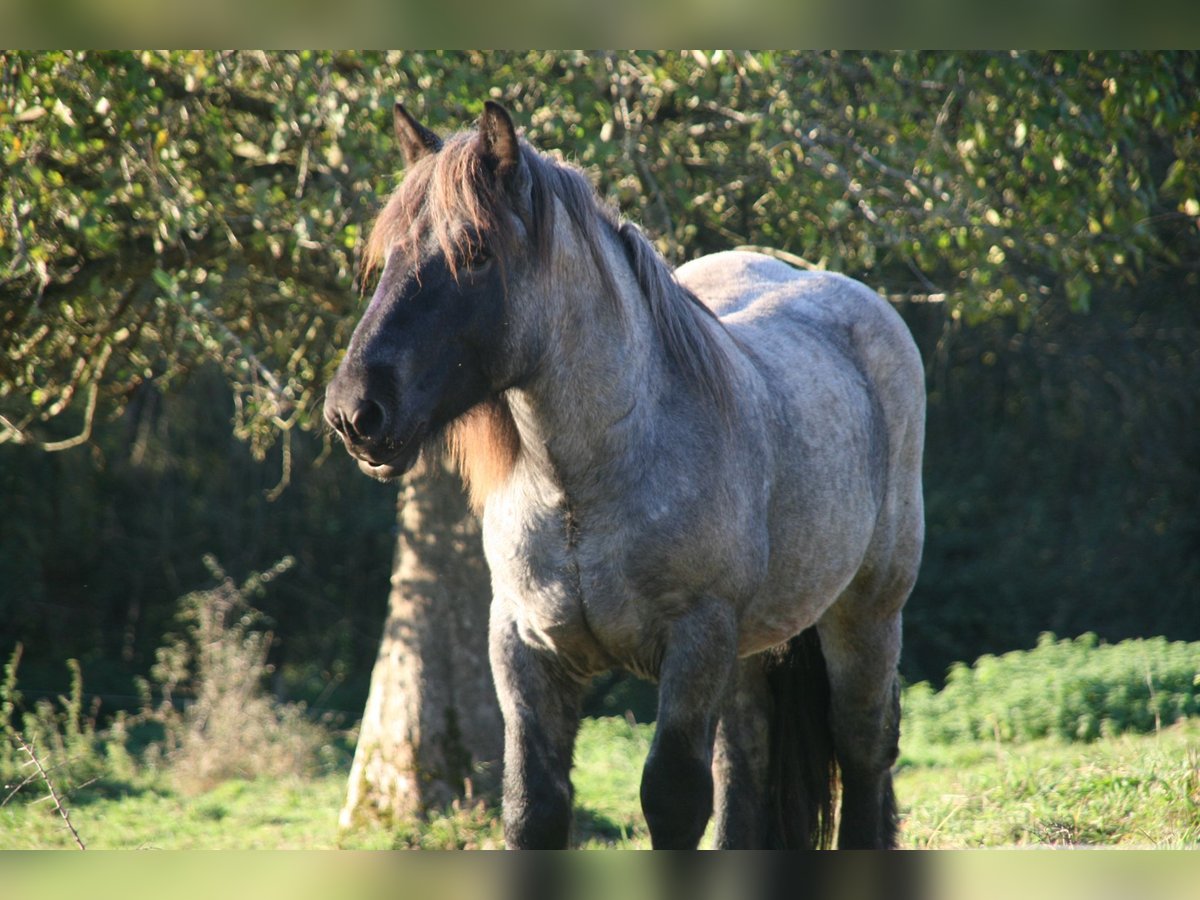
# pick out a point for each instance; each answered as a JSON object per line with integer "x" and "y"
{"x": 431, "y": 731}
{"x": 165, "y": 208}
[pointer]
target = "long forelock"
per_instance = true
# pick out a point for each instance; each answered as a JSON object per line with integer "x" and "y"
{"x": 449, "y": 196}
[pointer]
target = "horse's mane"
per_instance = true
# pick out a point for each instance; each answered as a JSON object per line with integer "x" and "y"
{"x": 454, "y": 186}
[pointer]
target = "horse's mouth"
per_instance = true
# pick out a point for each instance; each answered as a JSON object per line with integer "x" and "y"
{"x": 389, "y": 469}
{"x": 394, "y": 464}
{"x": 382, "y": 471}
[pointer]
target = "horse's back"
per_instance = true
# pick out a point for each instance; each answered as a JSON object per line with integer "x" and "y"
{"x": 750, "y": 290}
{"x": 731, "y": 280}
{"x": 791, "y": 319}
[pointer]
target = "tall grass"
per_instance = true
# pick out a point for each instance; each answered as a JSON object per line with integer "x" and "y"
{"x": 59, "y": 732}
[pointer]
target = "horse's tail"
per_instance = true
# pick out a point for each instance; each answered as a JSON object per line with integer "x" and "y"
{"x": 803, "y": 774}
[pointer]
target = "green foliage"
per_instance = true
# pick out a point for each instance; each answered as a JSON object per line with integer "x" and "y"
{"x": 1074, "y": 690}
{"x": 1060, "y": 477}
{"x": 60, "y": 732}
{"x": 169, "y": 209}
{"x": 108, "y": 539}
{"x": 166, "y": 208}
{"x": 9, "y": 695}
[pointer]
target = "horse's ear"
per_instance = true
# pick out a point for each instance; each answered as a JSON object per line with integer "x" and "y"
{"x": 498, "y": 139}
{"x": 416, "y": 141}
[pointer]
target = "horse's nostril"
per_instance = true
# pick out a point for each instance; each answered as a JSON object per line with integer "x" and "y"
{"x": 366, "y": 420}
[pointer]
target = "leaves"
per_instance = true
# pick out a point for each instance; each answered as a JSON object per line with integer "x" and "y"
{"x": 241, "y": 184}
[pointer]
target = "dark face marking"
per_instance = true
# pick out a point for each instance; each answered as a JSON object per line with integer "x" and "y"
{"x": 422, "y": 355}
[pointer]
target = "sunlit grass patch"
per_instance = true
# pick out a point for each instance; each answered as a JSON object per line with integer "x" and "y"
{"x": 1135, "y": 790}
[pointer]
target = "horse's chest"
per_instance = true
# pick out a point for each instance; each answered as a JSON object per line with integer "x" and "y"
{"x": 539, "y": 567}
{"x": 593, "y": 595}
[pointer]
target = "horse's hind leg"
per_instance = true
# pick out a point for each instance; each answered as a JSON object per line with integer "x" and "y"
{"x": 677, "y": 782}
{"x": 540, "y": 702}
{"x": 742, "y": 760}
{"x": 862, "y": 649}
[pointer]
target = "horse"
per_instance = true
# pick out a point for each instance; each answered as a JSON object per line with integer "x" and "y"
{"x": 708, "y": 477}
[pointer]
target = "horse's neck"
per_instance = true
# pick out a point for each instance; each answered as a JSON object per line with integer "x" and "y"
{"x": 590, "y": 402}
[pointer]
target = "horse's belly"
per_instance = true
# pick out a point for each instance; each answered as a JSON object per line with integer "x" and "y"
{"x": 782, "y": 611}
{"x": 821, "y": 534}
{"x": 777, "y": 616}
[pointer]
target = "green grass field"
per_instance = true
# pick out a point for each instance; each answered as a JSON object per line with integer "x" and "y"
{"x": 1073, "y": 743}
{"x": 1129, "y": 791}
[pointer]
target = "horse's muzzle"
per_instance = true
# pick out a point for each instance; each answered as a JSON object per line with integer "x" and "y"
{"x": 369, "y": 434}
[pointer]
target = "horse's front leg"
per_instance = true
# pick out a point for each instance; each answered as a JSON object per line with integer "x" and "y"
{"x": 540, "y": 702}
{"x": 677, "y": 782}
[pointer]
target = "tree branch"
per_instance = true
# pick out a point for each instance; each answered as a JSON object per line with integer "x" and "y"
{"x": 62, "y": 811}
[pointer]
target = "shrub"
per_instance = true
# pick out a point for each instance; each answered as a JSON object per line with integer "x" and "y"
{"x": 219, "y": 722}
{"x": 1076, "y": 690}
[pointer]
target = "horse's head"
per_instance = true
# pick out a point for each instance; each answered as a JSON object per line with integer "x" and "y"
{"x": 431, "y": 344}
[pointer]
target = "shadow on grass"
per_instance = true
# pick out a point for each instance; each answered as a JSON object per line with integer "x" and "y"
{"x": 111, "y": 789}
{"x": 594, "y": 826}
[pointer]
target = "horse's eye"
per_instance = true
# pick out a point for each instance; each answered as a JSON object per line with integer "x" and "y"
{"x": 480, "y": 256}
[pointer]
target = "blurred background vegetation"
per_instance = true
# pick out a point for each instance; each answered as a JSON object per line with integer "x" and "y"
{"x": 179, "y": 240}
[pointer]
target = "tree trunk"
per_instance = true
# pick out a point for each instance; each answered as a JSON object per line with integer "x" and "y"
{"x": 431, "y": 731}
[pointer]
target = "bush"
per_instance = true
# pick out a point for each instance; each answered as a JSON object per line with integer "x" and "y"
{"x": 218, "y": 721}
{"x": 1076, "y": 690}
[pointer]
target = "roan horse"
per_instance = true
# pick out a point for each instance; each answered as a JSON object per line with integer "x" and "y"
{"x": 710, "y": 478}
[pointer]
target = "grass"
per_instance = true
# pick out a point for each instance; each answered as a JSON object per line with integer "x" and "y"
{"x": 1069, "y": 744}
{"x": 608, "y": 770}
{"x": 1129, "y": 791}
{"x": 280, "y": 813}
{"x": 298, "y": 812}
